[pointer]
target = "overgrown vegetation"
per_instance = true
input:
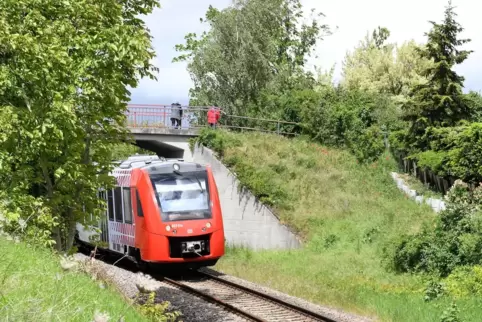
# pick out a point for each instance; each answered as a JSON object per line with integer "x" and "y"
{"x": 33, "y": 287}
{"x": 64, "y": 72}
{"x": 409, "y": 93}
{"x": 456, "y": 239}
{"x": 347, "y": 213}
{"x": 263, "y": 76}
{"x": 64, "y": 76}
{"x": 439, "y": 135}
{"x": 155, "y": 311}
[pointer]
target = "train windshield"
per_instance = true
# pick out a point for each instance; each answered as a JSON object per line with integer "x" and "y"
{"x": 183, "y": 196}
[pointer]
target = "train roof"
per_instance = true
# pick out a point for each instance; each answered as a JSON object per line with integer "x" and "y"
{"x": 155, "y": 164}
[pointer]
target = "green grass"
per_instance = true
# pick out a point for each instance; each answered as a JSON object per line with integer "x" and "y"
{"x": 346, "y": 212}
{"x": 33, "y": 287}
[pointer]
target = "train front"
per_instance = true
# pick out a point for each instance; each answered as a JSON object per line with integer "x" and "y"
{"x": 185, "y": 224}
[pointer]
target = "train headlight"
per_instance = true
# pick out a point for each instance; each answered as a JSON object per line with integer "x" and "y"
{"x": 208, "y": 225}
{"x": 176, "y": 167}
{"x": 168, "y": 228}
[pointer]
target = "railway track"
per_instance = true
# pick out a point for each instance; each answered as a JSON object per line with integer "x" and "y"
{"x": 251, "y": 304}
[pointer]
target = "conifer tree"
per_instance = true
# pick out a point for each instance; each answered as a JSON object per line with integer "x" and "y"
{"x": 439, "y": 102}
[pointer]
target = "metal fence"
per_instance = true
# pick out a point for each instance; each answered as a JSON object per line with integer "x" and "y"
{"x": 195, "y": 117}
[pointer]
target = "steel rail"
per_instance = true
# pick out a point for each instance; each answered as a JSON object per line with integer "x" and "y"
{"x": 213, "y": 299}
{"x": 271, "y": 298}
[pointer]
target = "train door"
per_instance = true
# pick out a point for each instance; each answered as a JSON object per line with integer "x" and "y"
{"x": 121, "y": 223}
{"x": 139, "y": 219}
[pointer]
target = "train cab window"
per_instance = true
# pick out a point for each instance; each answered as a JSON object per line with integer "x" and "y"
{"x": 118, "y": 204}
{"x": 110, "y": 204}
{"x": 140, "y": 213}
{"x": 127, "y": 205}
{"x": 182, "y": 196}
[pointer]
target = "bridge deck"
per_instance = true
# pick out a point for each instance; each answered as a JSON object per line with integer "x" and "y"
{"x": 164, "y": 131}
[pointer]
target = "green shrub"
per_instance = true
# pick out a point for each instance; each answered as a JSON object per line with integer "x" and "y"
{"x": 455, "y": 239}
{"x": 368, "y": 146}
{"x": 465, "y": 281}
{"x": 398, "y": 142}
{"x": 350, "y": 119}
{"x": 27, "y": 218}
{"x": 451, "y": 314}
{"x": 157, "y": 312}
{"x": 450, "y": 151}
{"x": 432, "y": 160}
{"x": 217, "y": 140}
{"x": 434, "y": 290}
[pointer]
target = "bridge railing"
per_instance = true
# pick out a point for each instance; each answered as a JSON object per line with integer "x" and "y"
{"x": 195, "y": 117}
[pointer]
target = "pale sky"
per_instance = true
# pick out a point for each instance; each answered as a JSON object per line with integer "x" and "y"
{"x": 406, "y": 20}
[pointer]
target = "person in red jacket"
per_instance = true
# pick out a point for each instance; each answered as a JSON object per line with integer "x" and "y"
{"x": 213, "y": 116}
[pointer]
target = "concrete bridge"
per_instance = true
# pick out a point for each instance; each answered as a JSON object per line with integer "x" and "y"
{"x": 152, "y": 129}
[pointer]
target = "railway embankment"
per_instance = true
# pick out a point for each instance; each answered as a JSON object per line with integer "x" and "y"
{"x": 245, "y": 301}
{"x": 349, "y": 216}
{"x": 35, "y": 285}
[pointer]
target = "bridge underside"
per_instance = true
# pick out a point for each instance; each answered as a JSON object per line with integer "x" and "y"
{"x": 165, "y": 143}
{"x": 161, "y": 149}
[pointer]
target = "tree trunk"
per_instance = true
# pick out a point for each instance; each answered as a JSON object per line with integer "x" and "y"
{"x": 70, "y": 231}
{"x": 57, "y": 238}
{"x": 71, "y": 220}
{"x": 50, "y": 193}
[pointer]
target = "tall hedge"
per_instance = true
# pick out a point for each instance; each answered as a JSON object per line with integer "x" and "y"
{"x": 453, "y": 151}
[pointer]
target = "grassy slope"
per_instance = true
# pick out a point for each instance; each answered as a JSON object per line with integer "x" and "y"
{"x": 33, "y": 287}
{"x": 346, "y": 212}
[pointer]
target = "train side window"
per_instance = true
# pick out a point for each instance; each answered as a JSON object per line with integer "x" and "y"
{"x": 110, "y": 204}
{"x": 118, "y": 204}
{"x": 140, "y": 213}
{"x": 127, "y": 205}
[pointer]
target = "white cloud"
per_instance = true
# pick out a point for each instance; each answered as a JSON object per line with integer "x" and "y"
{"x": 405, "y": 19}
{"x": 168, "y": 26}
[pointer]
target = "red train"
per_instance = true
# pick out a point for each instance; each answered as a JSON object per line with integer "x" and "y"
{"x": 161, "y": 212}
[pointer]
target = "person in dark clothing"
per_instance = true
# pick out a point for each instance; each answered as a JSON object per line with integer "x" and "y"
{"x": 176, "y": 114}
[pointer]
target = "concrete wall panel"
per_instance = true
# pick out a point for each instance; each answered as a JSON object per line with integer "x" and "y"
{"x": 247, "y": 222}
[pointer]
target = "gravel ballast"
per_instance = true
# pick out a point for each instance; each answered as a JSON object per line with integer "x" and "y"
{"x": 332, "y": 313}
{"x": 192, "y": 307}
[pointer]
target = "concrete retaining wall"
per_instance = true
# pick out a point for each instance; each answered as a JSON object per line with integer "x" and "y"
{"x": 436, "y": 204}
{"x": 247, "y": 222}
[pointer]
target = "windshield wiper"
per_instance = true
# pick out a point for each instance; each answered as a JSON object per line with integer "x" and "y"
{"x": 199, "y": 182}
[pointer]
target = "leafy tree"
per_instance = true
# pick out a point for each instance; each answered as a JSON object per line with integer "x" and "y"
{"x": 380, "y": 67}
{"x": 474, "y": 100}
{"x": 440, "y": 101}
{"x": 64, "y": 72}
{"x": 248, "y": 46}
